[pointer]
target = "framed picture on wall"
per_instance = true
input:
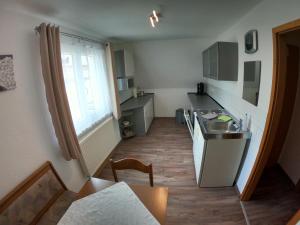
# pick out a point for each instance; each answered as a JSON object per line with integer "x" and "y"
{"x": 7, "y": 79}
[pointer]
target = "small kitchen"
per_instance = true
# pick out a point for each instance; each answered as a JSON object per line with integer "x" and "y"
{"x": 219, "y": 138}
{"x": 171, "y": 112}
{"x": 136, "y": 106}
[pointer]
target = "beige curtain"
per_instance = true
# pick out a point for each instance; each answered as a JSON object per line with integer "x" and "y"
{"x": 113, "y": 81}
{"x": 56, "y": 92}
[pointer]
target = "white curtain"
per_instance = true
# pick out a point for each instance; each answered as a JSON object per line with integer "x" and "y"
{"x": 86, "y": 80}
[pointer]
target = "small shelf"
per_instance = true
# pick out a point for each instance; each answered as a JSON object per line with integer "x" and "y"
{"x": 127, "y": 113}
{"x": 127, "y": 137}
{"x": 126, "y": 126}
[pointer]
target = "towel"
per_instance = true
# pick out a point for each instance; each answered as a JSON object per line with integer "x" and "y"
{"x": 224, "y": 118}
{"x": 210, "y": 116}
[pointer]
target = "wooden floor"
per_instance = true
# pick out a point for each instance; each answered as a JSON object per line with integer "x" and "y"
{"x": 274, "y": 201}
{"x": 168, "y": 147}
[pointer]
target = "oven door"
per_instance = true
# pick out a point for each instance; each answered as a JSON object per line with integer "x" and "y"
{"x": 187, "y": 117}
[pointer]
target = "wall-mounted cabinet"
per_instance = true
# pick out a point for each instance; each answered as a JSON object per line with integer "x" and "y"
{"x": 220, "y": 61}
{"x": 124, "y": 63}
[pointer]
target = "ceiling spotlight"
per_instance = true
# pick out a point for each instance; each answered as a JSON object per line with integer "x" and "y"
{"x": 155, "y": 16}
{"x": 152, "y": 21}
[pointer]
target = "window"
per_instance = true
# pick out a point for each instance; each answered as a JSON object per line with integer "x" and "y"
{"x": 86, "y": 82}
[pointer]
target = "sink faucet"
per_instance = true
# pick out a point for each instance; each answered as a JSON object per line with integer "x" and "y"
{"x": 241, "y": 123}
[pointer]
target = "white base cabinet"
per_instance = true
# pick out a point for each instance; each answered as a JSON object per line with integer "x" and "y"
{"x": 198, "y": 150}
{"x": 148, "y": 114}
{"x": 143, "y": 116}
{"x": 216, "y": 161}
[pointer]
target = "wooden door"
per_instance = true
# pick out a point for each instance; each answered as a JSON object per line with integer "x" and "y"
{"x": 295, "y": 219}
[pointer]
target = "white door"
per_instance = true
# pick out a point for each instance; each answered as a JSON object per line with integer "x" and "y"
{"x": 198, "y": 149}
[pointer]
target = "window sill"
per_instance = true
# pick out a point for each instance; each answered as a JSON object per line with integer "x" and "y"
{"x": 82, "y": 138}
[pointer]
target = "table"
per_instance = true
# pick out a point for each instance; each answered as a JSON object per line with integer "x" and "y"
{"x": 154, "y": 198}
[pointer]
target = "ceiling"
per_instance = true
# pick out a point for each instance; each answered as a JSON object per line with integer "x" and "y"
{"x": 128, "y": 19}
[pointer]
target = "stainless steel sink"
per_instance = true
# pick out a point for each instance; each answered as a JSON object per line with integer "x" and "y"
{"x": 219, "y": 126}
{"x": 205, "y": 111}
{"x": 217, "y": 129}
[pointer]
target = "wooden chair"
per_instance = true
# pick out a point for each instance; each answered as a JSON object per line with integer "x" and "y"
{"x": 133, "y": 164}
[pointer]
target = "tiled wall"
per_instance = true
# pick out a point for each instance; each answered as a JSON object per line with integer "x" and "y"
{"x": 125, "y": 95}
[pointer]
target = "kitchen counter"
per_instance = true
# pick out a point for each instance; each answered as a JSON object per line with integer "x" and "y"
{"x": 218, "y": 146}
{"x": 217, "y": 129}
{"x": 203, "y": 102}
{"x": 214, "y": 129}
{"x": 135, "y": 103}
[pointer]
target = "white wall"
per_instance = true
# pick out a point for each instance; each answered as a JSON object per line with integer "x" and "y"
{"x": 167, "y": 100}
{"x": 27, "y": 137}
{"x": 265, "y": 16}
{"x": 169, "y": 69}
{"x": 98, "y": 144}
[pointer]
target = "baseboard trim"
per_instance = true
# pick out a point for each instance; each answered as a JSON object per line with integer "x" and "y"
{"x": 245, "y": 213}
{"x": 101, "y": 167}
{"x": 237, "y": 190}
{"x": 242, "y": 205}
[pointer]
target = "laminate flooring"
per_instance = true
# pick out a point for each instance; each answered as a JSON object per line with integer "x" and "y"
{"x": 168, "y": 146}
{"x": 274, "y": 201}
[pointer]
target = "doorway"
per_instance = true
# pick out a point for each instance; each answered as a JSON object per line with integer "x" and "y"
{"x": 281, "y": 115}
{"x": 281, "y": 104}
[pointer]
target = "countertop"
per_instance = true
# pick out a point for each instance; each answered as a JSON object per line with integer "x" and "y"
{"x": 232, "y": 130}
{"x": 203, "y": 102}
{"x": 134, "y": 103}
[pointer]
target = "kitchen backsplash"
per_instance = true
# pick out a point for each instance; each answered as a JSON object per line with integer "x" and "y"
{"x": 125, "y": 95}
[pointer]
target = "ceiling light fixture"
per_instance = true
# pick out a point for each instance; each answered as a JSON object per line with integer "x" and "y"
{"x": 154, "y": 18}
{"x": 152, "y": 21}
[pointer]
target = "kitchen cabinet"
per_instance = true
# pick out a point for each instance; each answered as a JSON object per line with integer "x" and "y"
{"x": 206, "y": 66}
{"x": 216, "y": 161}
{"x": 124, "y": 63}
{"x": 148, "y": 114}
{"x": 220, "y": 61}
{"x": 198, "y": 150}
{"x": 221, "y": 163}
{"x": 213, "y": 61}
{"x": 142, "y": 110}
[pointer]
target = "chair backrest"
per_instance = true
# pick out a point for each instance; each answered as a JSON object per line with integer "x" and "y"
{"x": 133, "y": 164}
{"x": 27, "y": 203}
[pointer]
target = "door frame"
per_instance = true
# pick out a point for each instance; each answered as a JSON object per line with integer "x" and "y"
{"x": 274, "y": 112}
{"x": 298, "y": 186}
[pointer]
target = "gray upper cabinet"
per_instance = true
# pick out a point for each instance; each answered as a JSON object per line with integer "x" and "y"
{"x": 213, "y": 61}
{"x": 119, "y": 63}
{"x": 206, "y": 67}
{"x": 124, "y": 63}
{"x": 220, "y": 61}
